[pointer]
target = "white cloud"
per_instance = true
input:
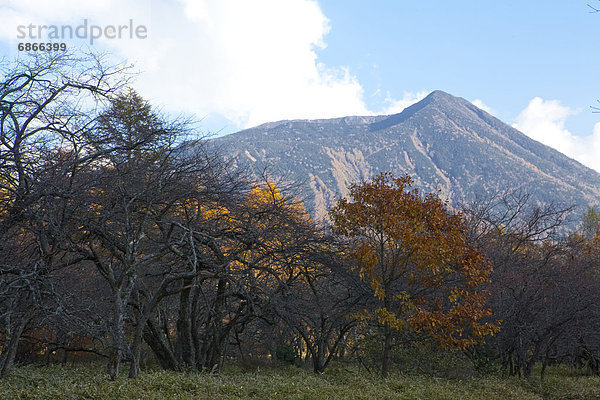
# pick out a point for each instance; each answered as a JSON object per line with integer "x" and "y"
{"x": 250, "y": 61}
{"x": 589, "y": 150}
{"x": 481, "y": 105}
{"x": 396, "y": 106}
{"x": 544, "y": 121}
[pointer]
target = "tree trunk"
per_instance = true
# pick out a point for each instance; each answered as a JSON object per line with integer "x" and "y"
{"x": 544, "y": 365}
{"x": 160, "y": 347}
{"x": 387, "y": 350}
{"x": 184, "y": 345}
{"x": 118, "y": 337}
{"x": 136, "y": 346}
{"x": 216, "y": 334}
{"x": 9, "y": 350}
{"x": 136, "y": 350}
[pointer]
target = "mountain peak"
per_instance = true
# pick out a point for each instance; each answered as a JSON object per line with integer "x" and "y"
{"x": 448, "y": 145}
{"x": 437, "y": 98}
{"x": 436, "y": 101}
{"x": 443, "y": 99}
{"x": 439, "y": 95}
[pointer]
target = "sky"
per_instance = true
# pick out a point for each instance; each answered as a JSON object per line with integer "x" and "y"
{"x": 234, "y": 64}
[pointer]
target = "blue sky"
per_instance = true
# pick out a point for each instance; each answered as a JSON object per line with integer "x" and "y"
{"x": 239, "y": 63}
{"x": 504, "y": 52}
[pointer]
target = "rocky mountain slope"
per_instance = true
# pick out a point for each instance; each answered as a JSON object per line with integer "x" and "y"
{"x": 444, "y": 142}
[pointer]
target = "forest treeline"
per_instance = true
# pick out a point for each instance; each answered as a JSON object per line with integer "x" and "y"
{"x": 127, "y": 237}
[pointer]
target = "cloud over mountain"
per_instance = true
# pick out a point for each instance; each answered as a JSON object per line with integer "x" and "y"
{"x": 544, "y": 121}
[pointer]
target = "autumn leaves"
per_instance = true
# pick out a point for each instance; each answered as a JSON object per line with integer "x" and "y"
{"x": 414, "y": 255}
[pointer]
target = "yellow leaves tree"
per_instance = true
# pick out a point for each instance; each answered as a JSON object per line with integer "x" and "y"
{"x": 284, "y": 234}
{"x": 414, "y": 255}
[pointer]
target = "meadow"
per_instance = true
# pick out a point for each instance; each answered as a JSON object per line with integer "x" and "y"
{"x": 338, "y": 382}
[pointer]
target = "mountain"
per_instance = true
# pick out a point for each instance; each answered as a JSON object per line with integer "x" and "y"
{"x": 444, "y": 142}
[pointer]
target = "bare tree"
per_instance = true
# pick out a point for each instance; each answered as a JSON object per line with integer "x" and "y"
{"x": 321, "y": 306}
{"x": 45, "y": 104}
{"x": 540, "y": 288}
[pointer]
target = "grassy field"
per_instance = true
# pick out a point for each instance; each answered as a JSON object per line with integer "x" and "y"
{"x": 340, "y": 382}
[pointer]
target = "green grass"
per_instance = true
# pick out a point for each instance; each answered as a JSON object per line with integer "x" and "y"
{"x": 340, "y": 382}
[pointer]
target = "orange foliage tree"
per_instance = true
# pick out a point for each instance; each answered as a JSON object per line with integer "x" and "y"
{"x": 414, "y": 255}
